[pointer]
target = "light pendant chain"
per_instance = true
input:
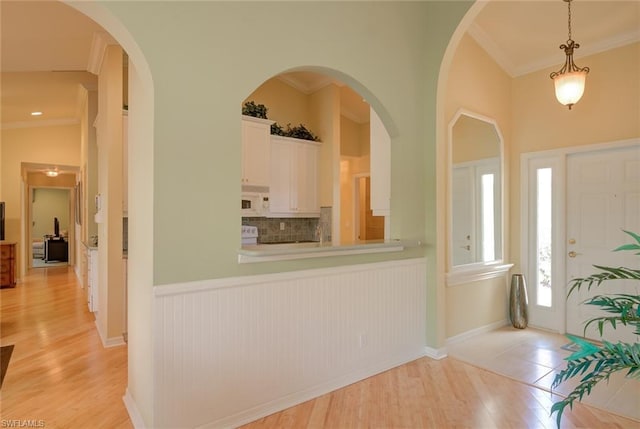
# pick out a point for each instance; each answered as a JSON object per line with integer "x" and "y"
{"x": 569, "y": 7}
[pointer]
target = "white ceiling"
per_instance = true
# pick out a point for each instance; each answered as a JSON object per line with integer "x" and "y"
{"x": 524, "y": 36}
{"x": 52, "y": 42}
{"x": 45, "y": 49}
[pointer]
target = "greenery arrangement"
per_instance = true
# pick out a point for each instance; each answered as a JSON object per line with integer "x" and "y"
{"x": 250, "y": 108}
{"x": 593, "y": 362}
{"x": 297, "y": 132}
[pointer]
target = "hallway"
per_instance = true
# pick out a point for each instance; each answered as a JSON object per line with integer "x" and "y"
{"x": 59, "y": 374}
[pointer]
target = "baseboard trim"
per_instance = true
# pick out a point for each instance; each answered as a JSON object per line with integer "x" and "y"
{"x": 436, "y": 354}
{"x": 283, "y": 403}
{"x": 477, "y": 331}
{"x": 132, "y": 410}
{"x": 109, "y": 342}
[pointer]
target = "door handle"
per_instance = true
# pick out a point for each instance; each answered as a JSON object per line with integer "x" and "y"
{"x": 573, "y": 254}
{"x": 467, "y": 247}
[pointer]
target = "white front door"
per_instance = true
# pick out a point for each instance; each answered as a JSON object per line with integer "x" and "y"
{"x": 603, "y": 199}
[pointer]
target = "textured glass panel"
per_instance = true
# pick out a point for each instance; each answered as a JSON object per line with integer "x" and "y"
{"x": 543, "y": 237}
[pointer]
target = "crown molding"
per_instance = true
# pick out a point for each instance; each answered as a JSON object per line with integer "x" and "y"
{"x": 308, "y": 89}
{"x": 98, "y": 47}
{"x": 38, "y": 124}
{"x": 586, "y": 49}
{"x": 487, "y": 43}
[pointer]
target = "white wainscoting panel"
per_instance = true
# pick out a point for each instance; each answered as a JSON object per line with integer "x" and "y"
{"x": 229, "y": 351}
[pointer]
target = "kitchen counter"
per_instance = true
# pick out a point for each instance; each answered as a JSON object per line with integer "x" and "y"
{"x": 287, "y": 251}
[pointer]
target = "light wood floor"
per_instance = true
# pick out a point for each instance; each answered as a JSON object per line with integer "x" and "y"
{"x": 60, "y": 374}
{"x": 437, "y": 394}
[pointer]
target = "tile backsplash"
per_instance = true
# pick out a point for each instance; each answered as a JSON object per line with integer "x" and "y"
{"x": 295, "y": 229}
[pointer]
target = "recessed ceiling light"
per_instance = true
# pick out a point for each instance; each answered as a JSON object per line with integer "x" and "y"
{"x": 36, "y": 113}
{"x": 51, "y": 173}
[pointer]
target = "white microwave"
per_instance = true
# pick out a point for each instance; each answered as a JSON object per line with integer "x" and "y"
{"x": 254, "y": 204}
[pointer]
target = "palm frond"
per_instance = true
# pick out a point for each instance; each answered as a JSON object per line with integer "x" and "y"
{"x": 595, "y": 363}
{"x": 608, "y": 359}
{"x": 630, "y": 246}
{"x": 626, "y": 308}
{"x": 608, "y": 273}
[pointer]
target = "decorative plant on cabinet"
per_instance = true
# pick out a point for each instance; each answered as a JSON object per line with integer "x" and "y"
{"x": 250, "y": 108}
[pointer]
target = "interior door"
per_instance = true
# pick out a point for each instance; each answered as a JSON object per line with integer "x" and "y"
{"x": 603, "y": 198}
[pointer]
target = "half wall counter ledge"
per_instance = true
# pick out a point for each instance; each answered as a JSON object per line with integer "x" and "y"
{"x": 303, "y": 250}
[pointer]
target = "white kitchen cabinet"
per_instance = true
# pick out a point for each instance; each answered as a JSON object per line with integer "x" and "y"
{"x": 380, "y": 166}
{"x": 281, "y": 174}
{"x": 294, "y": 178}
{"x": 256, "y": 134}
{"x": 92, "y": 279}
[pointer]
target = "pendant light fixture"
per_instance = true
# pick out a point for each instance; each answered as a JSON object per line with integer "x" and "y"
{"x": 570, "y": 79}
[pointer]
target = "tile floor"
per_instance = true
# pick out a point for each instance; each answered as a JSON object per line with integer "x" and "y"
{"x": 534, "y": 357}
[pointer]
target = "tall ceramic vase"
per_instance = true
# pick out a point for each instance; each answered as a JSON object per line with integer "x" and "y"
{"x": 518, "y": 302}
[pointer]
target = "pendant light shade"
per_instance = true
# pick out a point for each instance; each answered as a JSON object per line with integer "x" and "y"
{"x": 570, "y": 87}
{"x": 570, "y": 80}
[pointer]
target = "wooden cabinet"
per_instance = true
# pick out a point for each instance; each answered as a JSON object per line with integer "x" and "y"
{"x": 256, "y": 134}
{"x": 294, "y": 178}
{"x": 7, "y": 264}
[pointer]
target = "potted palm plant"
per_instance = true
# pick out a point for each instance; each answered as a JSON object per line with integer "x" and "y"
{"x": 595, "y": 363}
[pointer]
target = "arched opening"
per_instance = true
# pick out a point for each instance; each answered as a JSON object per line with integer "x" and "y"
{"x": 319, "y": 129}
{"x": 439, "y": 307}
{"x": 140, "y": 187}
{"x": 139, "y": 395}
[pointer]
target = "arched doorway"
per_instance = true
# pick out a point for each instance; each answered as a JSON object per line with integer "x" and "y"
{"x": 139, "y": 394}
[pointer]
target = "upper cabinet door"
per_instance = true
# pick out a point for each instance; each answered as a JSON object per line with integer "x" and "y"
{"x": 256, "y": 152}
{"x": 281, "y": 176}
{"x": 306, "y": 164}
{"x": 294, "y": 178}
{"x": 380, "y": 166}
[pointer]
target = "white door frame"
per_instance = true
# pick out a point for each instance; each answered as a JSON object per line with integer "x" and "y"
{"x": 556, "y": 159}
{"x": 71, "y": 232}
{"x": 356, "y": 203}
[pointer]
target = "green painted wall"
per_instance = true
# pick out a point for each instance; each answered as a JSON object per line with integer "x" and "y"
{"x": 49, "y": 203}
{"x": 205, "y": 57}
